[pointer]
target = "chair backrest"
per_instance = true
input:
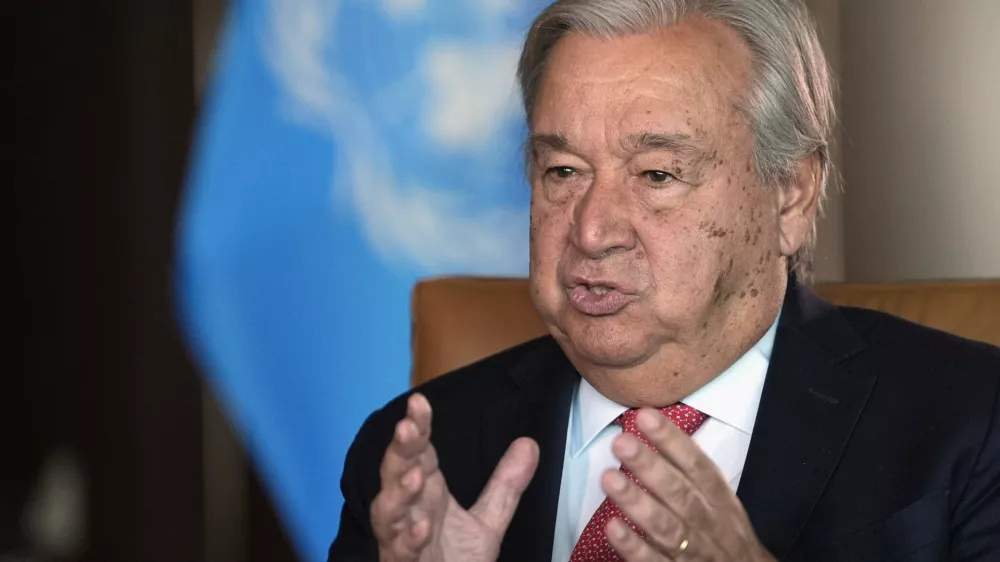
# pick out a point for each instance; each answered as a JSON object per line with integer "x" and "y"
{"x": 459, "y": 320}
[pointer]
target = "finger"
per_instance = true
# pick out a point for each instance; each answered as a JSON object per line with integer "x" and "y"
{"x": 500, "y": 497}
{"x": 664, "y": 481}
{"x": 410, "y": 544}
{"x": 697, "y": 493}
{"x": 678, "y": 448}
{"x": 392, "y": 511}
{"x": 408, "y": 463}
{"x": 410, "y": 440}
{"x": 393, "y": 503}
{"x": 419, "y": 410}
{"x": 629, "y": 545}
{"x": 660, "y": 525}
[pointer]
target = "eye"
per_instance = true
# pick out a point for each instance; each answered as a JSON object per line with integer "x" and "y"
{"x": 658, "y": 176}
{"x": 561, "y": 172}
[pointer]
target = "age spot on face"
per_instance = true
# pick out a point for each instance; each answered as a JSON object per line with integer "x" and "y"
{"x": 718, "y": 233}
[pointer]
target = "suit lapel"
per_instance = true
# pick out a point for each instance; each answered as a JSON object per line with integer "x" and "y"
{"x": 535, "y": 405}
{"x": 808, "y": 409}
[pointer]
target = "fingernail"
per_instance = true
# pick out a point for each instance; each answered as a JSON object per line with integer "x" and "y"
{"x": 616, "y": 529}
{"x": 649, "y": 419}
{"x": 403, "y": 431}
{"x": 412, "y": 431}
{"x": 617, "y": 481}
{"x": 627, "y": 447}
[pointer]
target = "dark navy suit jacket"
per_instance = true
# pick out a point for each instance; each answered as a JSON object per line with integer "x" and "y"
{"x": 876, "y": 439}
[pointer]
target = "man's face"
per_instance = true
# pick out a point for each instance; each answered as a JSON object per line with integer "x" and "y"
{"x": 656, "y": 255}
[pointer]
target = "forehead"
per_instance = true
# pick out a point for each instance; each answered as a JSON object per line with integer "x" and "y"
{"x": 687, "y": 76}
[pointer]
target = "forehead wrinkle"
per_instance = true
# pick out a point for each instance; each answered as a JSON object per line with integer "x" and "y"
{"x": 611, "y": 94}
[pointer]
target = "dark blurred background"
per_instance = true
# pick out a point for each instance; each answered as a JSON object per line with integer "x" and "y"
{"x": 106, "y": 425}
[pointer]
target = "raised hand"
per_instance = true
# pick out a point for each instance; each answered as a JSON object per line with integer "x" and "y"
{"x": 687, "y": 511}
{"x": 414, "y": 516}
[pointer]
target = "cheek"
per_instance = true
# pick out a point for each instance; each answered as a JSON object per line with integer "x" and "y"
{"x": 697, "y": 254}
{"x": 533, "y": 238}
{"x": 760, "y": 241}
{"x": 682, "y": 252}
{"x": 547, "y": 238}
{"x": 755, "y": 245}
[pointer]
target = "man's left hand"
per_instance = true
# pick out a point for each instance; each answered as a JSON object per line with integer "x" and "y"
{"x": 687, "y": 511}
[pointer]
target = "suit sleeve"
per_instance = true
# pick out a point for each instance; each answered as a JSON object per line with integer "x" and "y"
{"x": 976, "y": 531}
{"x": 359, "y": 485}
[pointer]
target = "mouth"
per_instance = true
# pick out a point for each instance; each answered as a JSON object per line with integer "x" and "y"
{"x": 595, "y": 285}
{"x": 597, "y": 297}
{"x": 598, "y": 289}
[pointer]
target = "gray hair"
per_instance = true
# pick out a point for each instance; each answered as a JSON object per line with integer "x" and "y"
{"x": 789, "y": 105}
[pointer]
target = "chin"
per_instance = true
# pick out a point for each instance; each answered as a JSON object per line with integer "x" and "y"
{"x": 605, "y": 341}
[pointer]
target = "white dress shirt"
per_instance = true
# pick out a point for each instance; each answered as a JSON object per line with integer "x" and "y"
{"x": 730, "y": 400}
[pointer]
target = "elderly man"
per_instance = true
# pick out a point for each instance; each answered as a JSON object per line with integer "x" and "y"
{"x": 694, "y": 401}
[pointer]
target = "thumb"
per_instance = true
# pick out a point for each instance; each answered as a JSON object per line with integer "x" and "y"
{"x": 495, "y": 506}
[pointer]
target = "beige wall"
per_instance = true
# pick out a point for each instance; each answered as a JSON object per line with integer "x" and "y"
{"x": 921, "y": 152}
{"x": 829, "y": 264}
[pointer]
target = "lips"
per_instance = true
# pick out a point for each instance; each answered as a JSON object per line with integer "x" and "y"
{"x": 597, "y": 298}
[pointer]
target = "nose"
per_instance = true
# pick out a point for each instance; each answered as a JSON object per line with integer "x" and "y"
{"x": 602, "y": 222}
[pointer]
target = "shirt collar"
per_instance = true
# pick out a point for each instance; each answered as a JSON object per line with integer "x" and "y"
{"x": 592, "y": 412}
{"x": 732, "y": 397}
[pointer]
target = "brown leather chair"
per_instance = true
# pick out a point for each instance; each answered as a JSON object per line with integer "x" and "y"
{"x": 459, "y": 320}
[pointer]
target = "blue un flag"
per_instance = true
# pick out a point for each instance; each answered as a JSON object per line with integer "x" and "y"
{"x": 347, "y": 148}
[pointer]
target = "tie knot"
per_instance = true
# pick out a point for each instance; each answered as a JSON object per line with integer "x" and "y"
{"x": 684, "y": 417}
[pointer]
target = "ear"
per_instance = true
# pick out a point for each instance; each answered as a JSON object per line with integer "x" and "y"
{"x": 798, "y": 203}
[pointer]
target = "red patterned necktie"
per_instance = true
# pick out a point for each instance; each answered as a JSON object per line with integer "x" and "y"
{"x": 593, "y": 545}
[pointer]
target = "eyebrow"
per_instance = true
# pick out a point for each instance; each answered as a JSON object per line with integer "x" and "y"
{"x": 682, "y": 143}
{"x": 552, "y": 141}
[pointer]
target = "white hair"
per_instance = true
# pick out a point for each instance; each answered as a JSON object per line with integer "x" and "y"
{"x": 789, "y": 104}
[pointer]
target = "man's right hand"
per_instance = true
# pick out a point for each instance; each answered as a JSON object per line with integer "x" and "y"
{"x": 414, "y": 515}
